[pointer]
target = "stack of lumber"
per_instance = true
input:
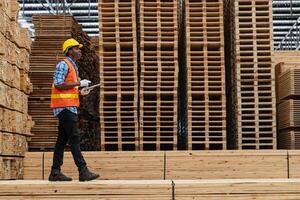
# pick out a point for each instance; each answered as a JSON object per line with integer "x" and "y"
{"x": 146, "y": 165}
{"x": 51, "y": 31}
{"x": 288, "y": 99}
{"x": 118, "y": 75}
{"x": 261, "y": 189}
{"x": 287, "y": 56}
{"x": 252, "y": 75}
{"x": 103, "y": 189}
{"x": 159, "y": 74}
{"x": 15, "y": 86}
{"x": 206, "y": 99}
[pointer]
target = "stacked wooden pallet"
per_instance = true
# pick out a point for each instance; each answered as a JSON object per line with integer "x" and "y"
{"x": 253, "y": 74}
{"x": 51, "y": 31}
{"x": 118, "y": 75}
{"x": 288, "y": 99}
{"x": 206, "y": 100}
{"x": 15, "y": 86}
{"x": 159, "y": 74}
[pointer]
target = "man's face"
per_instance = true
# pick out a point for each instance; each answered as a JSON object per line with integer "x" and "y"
{"x": 76, "y": 53}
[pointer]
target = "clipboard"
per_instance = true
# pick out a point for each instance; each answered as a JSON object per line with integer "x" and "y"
{"x": 92, "y": 87}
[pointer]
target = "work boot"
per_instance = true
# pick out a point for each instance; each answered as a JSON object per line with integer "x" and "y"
{"x": 86, "y": 175}
{"x": 57, "y": 175}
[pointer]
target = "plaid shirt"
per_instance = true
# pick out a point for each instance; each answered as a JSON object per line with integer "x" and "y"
{"x": 59, "y": 78}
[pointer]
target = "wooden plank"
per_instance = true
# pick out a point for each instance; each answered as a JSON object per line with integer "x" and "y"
{"x": 183, "y": 189}
{"x": 11, "y": 168}
{"x": 226, "y": 164}
{"x": 100, "y": 189}
{"x": 237, "y": 189}
{"x": 15, "y": 122}
{"x": 12, "y": 144}
{"x": 286, "y": 56}
{"x": 33, "y": 166}
{"x": 114, "y": 165}
{"x": 294, "y": 163}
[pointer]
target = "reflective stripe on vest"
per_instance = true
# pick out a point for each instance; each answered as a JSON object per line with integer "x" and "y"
{"x": 69, "y": 97}
{"x": 64, "y": 96}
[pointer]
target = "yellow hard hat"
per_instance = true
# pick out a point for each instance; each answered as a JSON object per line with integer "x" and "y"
{"x": 70, "y": 43}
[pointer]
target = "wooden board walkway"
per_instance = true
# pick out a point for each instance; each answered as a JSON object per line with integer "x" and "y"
{"x": 240, "y": 189}
{"x": 141, "y": 165}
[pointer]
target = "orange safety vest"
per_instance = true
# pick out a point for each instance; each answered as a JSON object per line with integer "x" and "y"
{"x": 69, "y": 97}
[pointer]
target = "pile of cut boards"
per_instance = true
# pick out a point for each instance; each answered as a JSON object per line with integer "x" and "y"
{"x": 15, "y": 86}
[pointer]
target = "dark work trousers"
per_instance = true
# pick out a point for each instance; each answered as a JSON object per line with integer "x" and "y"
{"x": 67, "y": 132}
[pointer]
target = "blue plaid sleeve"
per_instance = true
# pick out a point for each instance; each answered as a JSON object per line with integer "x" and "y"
{"x": 60, "y": 73}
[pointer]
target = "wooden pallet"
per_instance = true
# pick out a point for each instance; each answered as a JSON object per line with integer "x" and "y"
{"x": 159, "y": 75}
{"x": 206, "y": 100}
{"x": 118, "y": 76}
{"x": 119, "y": 122}
{"x": 254, "y": 75}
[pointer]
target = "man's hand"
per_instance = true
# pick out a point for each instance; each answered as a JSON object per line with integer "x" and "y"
{"x": 84, "y": 83}
{"x": 85, "y": 91}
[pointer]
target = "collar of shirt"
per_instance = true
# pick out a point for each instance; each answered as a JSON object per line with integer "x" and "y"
{"x": 74, "y": 64}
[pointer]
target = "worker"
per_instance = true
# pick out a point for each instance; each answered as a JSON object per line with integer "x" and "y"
{"x": 64, "y": 101}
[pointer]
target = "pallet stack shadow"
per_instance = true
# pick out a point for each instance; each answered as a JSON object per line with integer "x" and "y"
{"x": 251, "y": 69}
{"x": 95, "y": 43}
{"x": 159, "y": 74}
{"x": 288, "y": 99}
{"x": 51, "y": 32}
{"x": 15, "y": 86}
{"x": 118, "y": 75}
{"x": 206, "y": 99}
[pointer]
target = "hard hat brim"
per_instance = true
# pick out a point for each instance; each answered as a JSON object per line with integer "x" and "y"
{"x": 80, "y": 46}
